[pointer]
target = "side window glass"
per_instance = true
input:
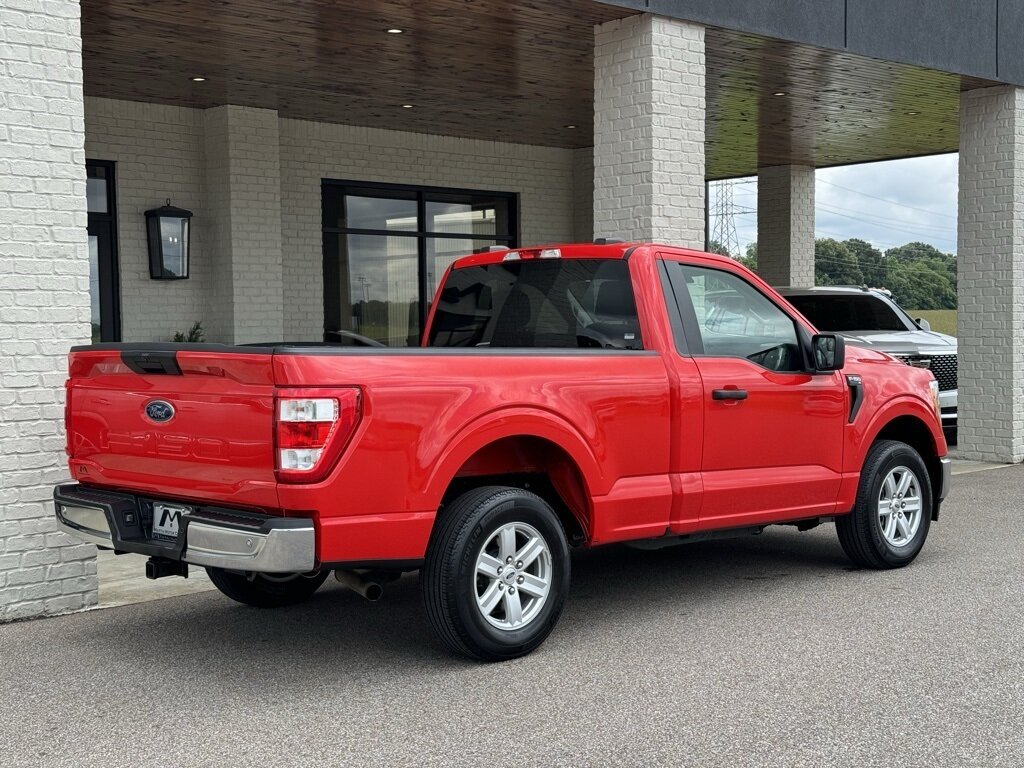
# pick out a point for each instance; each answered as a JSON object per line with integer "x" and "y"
{"x": 734, "y": 319}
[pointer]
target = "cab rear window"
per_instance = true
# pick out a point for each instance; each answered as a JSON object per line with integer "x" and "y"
{"x": 538, "y": 303}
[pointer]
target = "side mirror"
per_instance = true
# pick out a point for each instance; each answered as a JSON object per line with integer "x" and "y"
{"x": 923, "y": 324}
{"x": 829, "y": 352}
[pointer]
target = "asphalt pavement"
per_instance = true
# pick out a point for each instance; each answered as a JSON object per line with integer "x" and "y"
{"x": 770, "y": 650}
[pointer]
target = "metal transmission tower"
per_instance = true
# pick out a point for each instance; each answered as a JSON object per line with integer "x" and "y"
{"x": 724, "y": 215}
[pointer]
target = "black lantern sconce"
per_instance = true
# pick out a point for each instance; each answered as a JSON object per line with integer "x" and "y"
{"x": 168, "y": 231}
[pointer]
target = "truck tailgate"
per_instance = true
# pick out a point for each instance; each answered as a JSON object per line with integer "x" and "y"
{"x": 174, "y": 422}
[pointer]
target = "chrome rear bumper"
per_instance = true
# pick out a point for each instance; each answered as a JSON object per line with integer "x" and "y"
{"x": 218, "y": 538}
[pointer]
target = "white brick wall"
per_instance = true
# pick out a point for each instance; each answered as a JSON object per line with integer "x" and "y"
{"x": 785, "y": 225}
{"x": 44, "y": 300}
{"x": 990, "y": 260}
{"x": 244, "y": 210}
{"x": 583, "y": 194}
{"x": 649, "y": 107}
{"x": 543, "y": 177}
{"x": 159, "y": 154}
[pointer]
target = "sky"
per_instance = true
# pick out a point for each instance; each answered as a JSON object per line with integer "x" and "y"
{"x": 888, "y": 203}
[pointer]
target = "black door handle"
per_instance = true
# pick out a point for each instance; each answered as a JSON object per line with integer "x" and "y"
{"x": 728, "y": 394}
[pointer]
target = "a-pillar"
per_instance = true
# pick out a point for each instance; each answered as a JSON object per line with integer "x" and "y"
{"x": 785, "y": 225}
{"x": 649, "y": 110}
{"x": 990, "y": 275}
{"x": 243, "y": 171}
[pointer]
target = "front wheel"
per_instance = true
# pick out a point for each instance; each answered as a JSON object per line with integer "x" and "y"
{"x": 496, "y": 573}
{"x": 889, "y": 522}
{"x": 264, "y": 590}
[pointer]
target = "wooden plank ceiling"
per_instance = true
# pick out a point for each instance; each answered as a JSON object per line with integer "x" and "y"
{"x": 506, "y": 70}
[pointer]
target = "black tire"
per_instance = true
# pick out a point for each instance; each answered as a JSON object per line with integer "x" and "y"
{"x": 450, "y": 583}
{"x": 860, "y": 532}
{"x": 262, "y": 591}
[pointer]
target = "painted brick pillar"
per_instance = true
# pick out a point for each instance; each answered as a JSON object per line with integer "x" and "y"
{"x": 785, "y": 225}
{"x": 44, "y": 301}
{"x": 649, "y": 110}
{"x": 242, "y": 173}
{"x": 990, "y": 274}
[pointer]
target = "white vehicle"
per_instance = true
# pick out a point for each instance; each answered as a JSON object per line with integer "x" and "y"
{"x": 869, "y": 318}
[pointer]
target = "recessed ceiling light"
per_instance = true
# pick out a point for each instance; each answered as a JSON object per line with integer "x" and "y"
{"x": 407, "y": 106}
{"x": 571, "y": 125}
{"x": 779, "y": 93}
{"x": 394, "y": 31}
{"x": 198, "y": 79}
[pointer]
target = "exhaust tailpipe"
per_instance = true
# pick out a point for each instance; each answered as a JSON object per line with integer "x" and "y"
{"x": 371, "y": 590}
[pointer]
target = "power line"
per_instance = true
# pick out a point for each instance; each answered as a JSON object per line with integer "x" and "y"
{"x": 877, "y": 223}
{"x": 885, "y": 200}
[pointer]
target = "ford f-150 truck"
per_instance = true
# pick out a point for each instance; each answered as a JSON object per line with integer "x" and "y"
{"x": 568, "y": 396}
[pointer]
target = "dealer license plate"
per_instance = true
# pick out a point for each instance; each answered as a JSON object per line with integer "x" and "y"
{"x": 167, "y": 519}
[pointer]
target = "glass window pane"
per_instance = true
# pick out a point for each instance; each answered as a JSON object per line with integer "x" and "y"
{"x": 376, "y": 284}
{"x": 174, "y": 236}
{"x": 379, "y": 213}
{"x": 572, "y": 303}
{"x": 94, "y": 286}
{"x": 848, "y": 313}
{"x": 467, "y": 214}
{"x": 734, "y": 319}
{"x": 96, "y": 195}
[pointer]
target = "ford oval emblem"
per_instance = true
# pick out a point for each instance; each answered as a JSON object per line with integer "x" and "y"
{"x": 159, "y": 411}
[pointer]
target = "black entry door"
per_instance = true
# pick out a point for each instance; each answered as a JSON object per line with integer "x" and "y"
{"x": 104, "y": 291}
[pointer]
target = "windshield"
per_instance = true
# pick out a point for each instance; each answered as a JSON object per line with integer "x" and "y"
{"x": 853, "y": 312}
{"x": 572, "y": 303}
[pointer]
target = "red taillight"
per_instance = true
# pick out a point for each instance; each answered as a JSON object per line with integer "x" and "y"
{"x": 312, "y": 428}
{"x": 67, "y": 418}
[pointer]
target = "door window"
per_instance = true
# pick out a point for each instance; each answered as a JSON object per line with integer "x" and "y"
{"x": 731, "y": 318}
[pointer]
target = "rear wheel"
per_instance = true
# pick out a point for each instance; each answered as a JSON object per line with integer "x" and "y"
{"x": 496, "y": 573}
{"x": 265, "y": 590}
{"x": 890, "y": 520}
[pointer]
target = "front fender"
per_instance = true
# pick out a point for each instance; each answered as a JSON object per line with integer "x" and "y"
{"x": 894, "y": 408}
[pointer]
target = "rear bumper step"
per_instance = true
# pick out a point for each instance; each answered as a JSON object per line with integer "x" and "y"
{"x": 207, "y": 536}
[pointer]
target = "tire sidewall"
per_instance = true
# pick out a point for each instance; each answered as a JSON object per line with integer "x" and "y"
{"x": 896, "y": 456}
{"x": 492, "y": 515}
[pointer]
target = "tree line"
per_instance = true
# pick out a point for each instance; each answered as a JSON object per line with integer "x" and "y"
{"x": 920, "y": 276}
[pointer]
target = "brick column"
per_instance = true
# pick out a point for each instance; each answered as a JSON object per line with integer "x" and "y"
{"x": 785, "y": 225}
{"x": 649, "y": 130}
{"x": 990, "y": 274}
{"x": 44, "y": 302}
{"x": 243, "y": 172}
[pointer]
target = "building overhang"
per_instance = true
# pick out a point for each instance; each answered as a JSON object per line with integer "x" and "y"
{"x": 517, "y": 71}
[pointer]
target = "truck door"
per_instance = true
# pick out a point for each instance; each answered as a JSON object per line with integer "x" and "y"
{"x": 773, "y": 433}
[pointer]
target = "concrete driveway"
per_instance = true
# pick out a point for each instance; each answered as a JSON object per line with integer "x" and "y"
{"x": 760, "y": 651}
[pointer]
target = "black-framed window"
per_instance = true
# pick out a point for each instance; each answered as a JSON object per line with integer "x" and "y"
{"x": 387, "y": 246}
{"x": 104, "y": 288}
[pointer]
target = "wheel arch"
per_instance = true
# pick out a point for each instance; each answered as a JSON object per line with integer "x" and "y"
{"x": 913, "y": 429}
{"x": 531, "y": 450}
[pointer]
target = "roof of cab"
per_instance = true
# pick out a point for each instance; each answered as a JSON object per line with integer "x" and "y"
{"x": 581, "y": 251}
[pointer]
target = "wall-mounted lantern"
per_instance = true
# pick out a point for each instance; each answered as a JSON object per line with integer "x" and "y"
{"x": 168, "y": 231}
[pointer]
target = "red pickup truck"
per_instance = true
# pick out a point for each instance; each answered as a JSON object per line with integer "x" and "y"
{"x": 562, "y": 397}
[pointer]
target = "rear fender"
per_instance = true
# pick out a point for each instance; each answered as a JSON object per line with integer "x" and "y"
{"x": 514, "y": 422}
